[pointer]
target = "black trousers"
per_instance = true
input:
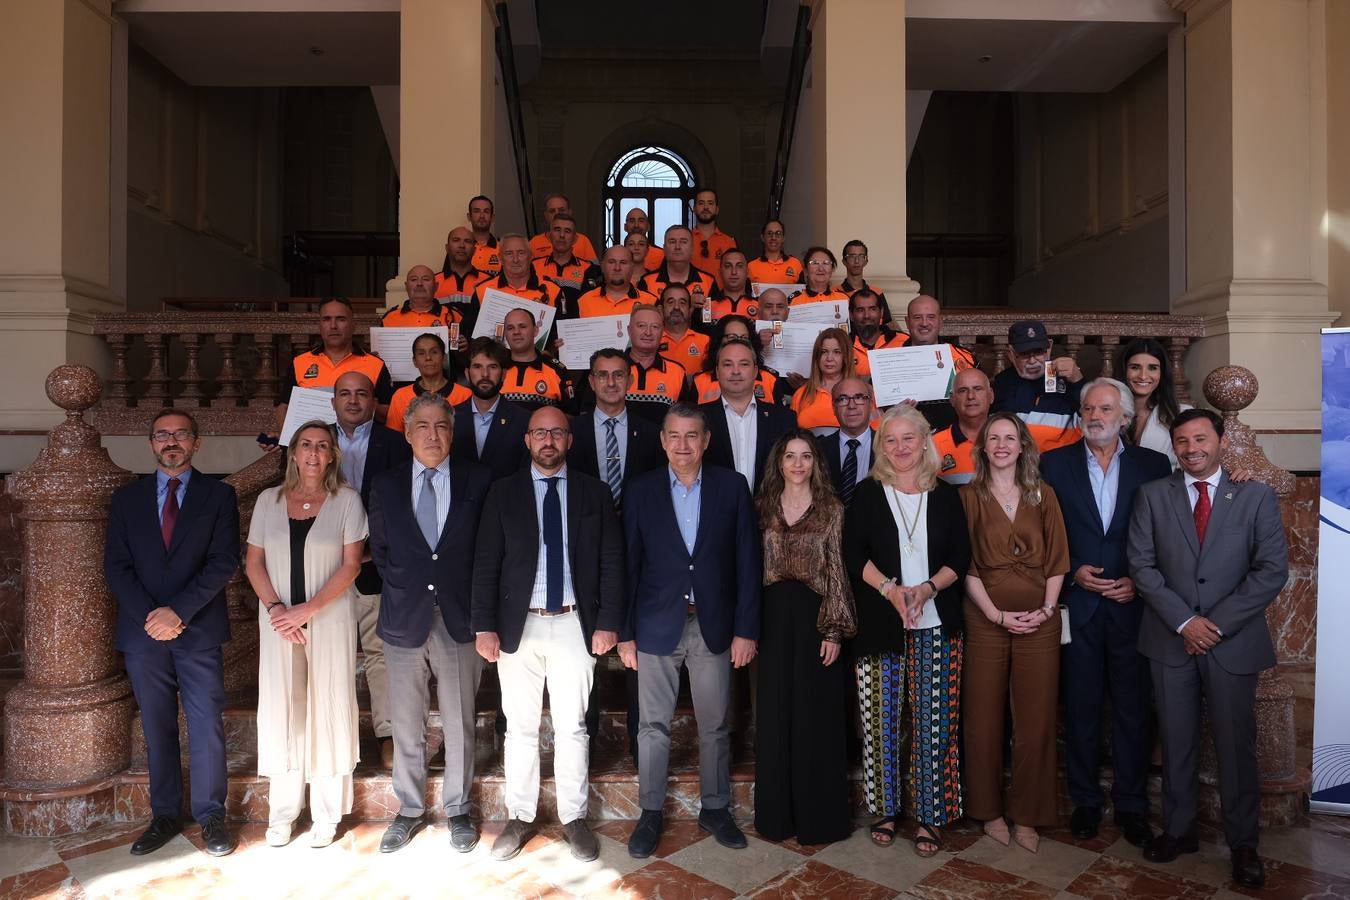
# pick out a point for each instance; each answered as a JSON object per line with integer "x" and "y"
{"x": 801, "y": 768}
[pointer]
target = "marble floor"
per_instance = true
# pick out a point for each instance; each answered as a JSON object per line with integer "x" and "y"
{"x": 1305, "y": 862}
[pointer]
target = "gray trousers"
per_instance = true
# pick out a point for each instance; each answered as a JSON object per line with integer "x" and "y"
{"x": 457, "y": 668}
{"x": 1230, "y": 702}
{"x": 658, "y": 685}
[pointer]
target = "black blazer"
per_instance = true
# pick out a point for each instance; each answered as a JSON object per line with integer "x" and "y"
{"x": 387, "y": 450}
{"x": 507, "y": 557}
{"x": 723, "y": 572}
{"x": 830, "y": 450}
{"x": 1090, "y": 542}
{"x": 774, "y": 421}
{"x": 504, "y": 451}
{"x": 870, "y": 534}
{"x": 417, "y": 576}
{"x": 644, "y": 447}
{"x": 189, "y": 577}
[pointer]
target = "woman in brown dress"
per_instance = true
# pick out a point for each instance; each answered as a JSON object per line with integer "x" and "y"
{"x": 801, "y": 771}
{"x": 1019, "y": 557}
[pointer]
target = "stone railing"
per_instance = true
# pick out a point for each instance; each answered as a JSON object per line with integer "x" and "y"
{"x": 226, "y": 366}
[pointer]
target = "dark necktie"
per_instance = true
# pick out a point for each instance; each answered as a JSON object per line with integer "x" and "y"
{"x": 553, "y": 539}
{"x": 1201, "y": 510}
{"x": 850, "y": 472}
{"x": 170, "y": 517}
{"x": 613, "y": 473}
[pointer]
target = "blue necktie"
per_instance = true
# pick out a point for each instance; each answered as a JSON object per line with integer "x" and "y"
{"x": 553, "y": 539}
{"x": 426, "y": 509}
{"x": 613, "y": 475}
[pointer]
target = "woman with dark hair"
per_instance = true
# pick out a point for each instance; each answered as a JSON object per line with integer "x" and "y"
{"x": 1019, "y": 555}
{"x": 831, "y": 363}
{"x": 906, "y": 549}
{"x": 1144, "y": 366}
{"x": 434, "y": 378}
{"x": 801, "y": 765}
{"x": 775, "y": 266}
{"x": 305, "y": 544}
{"x": 768, "y": 386}
{"x": 820, "y": 265}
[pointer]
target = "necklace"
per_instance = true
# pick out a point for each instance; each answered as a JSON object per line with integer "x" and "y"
{"x": 1008, "y": 506}
{"x": 908, "y": 548}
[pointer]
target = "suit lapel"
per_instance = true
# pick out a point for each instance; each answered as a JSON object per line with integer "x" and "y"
{"x": 1129, "y": 480}
{"x": 1218, "y": 510}
{"x": 401, "y": 505}
{"x": 192, "y": 498}
{"x": 668, "y": 509}
{"x": 1083, "y": 483}
{"x": 573, "y": 519}
{"x": 1181, "y": 506}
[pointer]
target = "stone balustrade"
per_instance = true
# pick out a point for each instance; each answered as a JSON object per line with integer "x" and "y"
{"x": 226, "y": 366}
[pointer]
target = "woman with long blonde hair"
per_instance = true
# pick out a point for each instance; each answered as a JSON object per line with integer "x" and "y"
{"x": 831, "y": 363}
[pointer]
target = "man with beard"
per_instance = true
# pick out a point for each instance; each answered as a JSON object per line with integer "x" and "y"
{"x": 458, "y": 278}
{"x": 531, "y": 381}
{"x": 486, "y": 259}
{"x": 677, "y": 269}
{"x": 1051, "y": 416}
{"x": 574, "y": 276}
{"x": 547, "y": 594}
{"x": 864, "y": 316}
{"x": 489, "y": 429}
{"x": 710, "y": 242}
{"x": 971, "y": 398}
{"x": 541, "y": 245}
{"x": 616, "y": 295}
{"x": 680, "y": 343}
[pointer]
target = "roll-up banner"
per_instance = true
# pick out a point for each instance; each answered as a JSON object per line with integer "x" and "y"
{"x": 1331, "y": 698}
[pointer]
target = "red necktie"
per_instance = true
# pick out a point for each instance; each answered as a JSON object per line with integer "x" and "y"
{"x": 170, "y": 517}
{"x": 1201, "y": 510}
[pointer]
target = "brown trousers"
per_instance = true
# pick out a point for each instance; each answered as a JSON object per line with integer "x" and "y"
{"x": 1024, "y": 668}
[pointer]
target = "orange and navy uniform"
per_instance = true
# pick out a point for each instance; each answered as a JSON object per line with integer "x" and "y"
{"x": 881, "y": 298}
{"x": 1052, "y": 418}
{"x": 689, "y": 351}
{"x": 699, "y": 281}
{"x": 453, "y": 394}
{"x": 314, "y": 369}
{"x": 404, "y": 316}
{"x": 540, "y": 245}
{"x": 722, "y": 305}
{"x": 762, "y": 270}
{"x": 886, "y": 339}
{"x": 487, "y": 258}
{"x": 810, "y": 296}
{"x": 575, "y": 277}
{"x": 955, "y": 463}
{"x": 655, "y": 256}
{"x": 656, "y": 388}
{"x": 456, "y": 291}
{"x": 768, "y": 387}
{"x": 818, "y": 413}
{"x": 707, "y": 251}
{"x": 535, "y": 289}
{"x": 597, "y": 302}
{"x": 537, "y": 383}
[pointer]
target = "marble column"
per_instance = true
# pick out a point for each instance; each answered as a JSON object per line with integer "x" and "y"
{"x": 67, "y": 722}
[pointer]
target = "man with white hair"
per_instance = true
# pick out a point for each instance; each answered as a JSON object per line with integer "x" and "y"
{"x": 1095, "y": 479}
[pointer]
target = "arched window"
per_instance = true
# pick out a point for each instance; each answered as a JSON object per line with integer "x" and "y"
{"x": 655, "y": 179}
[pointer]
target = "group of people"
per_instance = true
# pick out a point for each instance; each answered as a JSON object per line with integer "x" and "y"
{"x": 910, "y": 575}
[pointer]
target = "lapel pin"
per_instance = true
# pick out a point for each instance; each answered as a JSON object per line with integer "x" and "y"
{"x": 503, "y": 422}
{"x": 1228, "y": 496}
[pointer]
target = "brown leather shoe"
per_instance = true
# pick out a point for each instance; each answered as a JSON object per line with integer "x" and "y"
{"x": 513, "y": 838}
{"x": 582, "y": 840}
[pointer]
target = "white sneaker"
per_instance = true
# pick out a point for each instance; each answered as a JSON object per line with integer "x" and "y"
{"x": 321, "y": 835}
{"x": 279, "y": 835}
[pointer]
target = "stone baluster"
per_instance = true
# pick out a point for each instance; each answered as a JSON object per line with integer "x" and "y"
{"x": 67, "y": 722}
{"x": 157, "y": 379}
{"x": 1176, "y": 351}
{"x": 1110, "y": 342}
{"x": 118, "y": 380}
{"x": 266, "y": 394}
{"x": 1073, "y": 346}
{"x": 231, "y": 384}
{"x": 191, "y": 379}
{"x": 1000, "y": 352}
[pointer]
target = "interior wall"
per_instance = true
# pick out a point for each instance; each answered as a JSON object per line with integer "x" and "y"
{"x": 1092, "y": 197}
{"x": 1338, "y": 152}
{"x": 203, "y": 190}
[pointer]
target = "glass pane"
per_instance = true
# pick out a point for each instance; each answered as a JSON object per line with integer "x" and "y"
{"x": 609, "y": 225}
{"x": 669, "y": 211}
{"x": 651, "y": 173}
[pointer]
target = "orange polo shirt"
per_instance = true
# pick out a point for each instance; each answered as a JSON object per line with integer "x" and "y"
{"x": 699, "y": 281}
{"x": 535, "y": 289}
{"x": 810, "y": 296}
{"x": 654, "y": 390}
{"x": 313, "y": 369}
{"x": 655, "y": 256}
{"x": 955, "y": 464}
{"x": 885, "y": 340}
{"x": 597, "y": 303}
{"x": 689, "y": 351}
{"x": 487, "y": 258}
{"x": 540, "y": 245}
{"x": 787, "y": 270}
{"x": 818, "y": 411}
{"x": 707, "y": 252}
{"x": 453, "y": 394}
{"x": 539, "y": 382}
{"x": 404, "y": 316}
{"x": 745, "y": 305}
{"x": 457, "y": 290}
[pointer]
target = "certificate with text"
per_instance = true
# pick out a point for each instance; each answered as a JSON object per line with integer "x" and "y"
{"x": 911, "y": 373}
{"x": 827, "y": 312}
{"x": 395, "y": 347}
{"x": 791, "y": 351}
{"x": 496, "y": 304}
{"x": 582, "y": 337}
{"x": 307, "y": 404}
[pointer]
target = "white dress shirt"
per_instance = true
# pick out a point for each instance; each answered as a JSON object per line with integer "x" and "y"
{"x": 744, "y": 429}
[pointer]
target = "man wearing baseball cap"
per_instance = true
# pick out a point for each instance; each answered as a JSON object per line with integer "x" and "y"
{"x": 1024, "y": 388}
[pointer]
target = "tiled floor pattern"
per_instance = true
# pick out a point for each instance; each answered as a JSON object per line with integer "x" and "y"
{"x": 1307, "y": 862}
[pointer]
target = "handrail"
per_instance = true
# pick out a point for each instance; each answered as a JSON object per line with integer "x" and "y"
{"x": 506, "y": 55}
{"x": 787, "y": 124}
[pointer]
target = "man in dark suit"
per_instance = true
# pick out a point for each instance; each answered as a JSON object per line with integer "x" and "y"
{"x": 488, "y": 428}
{"x": 368, "y": 449}
{"x": 1096, "y": 480}
{"x": 693, "y": 600}
{"x": 547, "y": 593}
{"x": 850, "y": 451}
{"x": 1208, "y": 555}
{"x": 423, "y": 523}
{"x": 173, "y": 545}
{"x": 743, "y": 429}
{"x": 630, "y": 446}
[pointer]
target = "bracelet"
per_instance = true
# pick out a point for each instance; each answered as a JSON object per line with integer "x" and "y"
{"x": 1050, "y": 609}
{"x": 885, "y": 586}
{"x": 1000, "y": 618}
{"x": 929, "y": 582}
{"x": 274, "y": 603}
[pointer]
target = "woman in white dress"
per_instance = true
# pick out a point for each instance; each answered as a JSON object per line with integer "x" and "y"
{"x": 1145, "y": 367}
{"x": 305, "y": 544}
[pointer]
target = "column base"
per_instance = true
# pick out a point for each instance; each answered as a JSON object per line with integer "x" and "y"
{"x": 59, "y": 812}
{"x": 61, "y": 736}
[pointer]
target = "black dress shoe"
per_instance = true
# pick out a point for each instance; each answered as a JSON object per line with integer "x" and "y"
{"x": 218, "y": 840}
{"x": 161, "y": 831}
{"x": 723, "y": 828}
{"x": 1164, "y": 848}
{"x": 514, "y": 836}
{"x": 646, "y": 834}
{"x": 400, "y": 832}
{"x": 1084, "y": 821}
{"x": 463, "y": 833}
{"x": 1135, "y": 828}
{"x": 1248, "y": 869}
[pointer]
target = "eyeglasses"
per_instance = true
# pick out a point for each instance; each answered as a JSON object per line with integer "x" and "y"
{"x": 163, "y": 437}
{"x": 819, "y": 263}
{"x": 850, "y": 399}
{"x": 773, "y": 234}
{"x": 855, "y": 256}
{"x": 557, "y": 434}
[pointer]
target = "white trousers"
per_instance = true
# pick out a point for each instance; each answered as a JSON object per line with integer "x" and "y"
{"x": 330, "y": 796}
{"x": 552, "y": 651}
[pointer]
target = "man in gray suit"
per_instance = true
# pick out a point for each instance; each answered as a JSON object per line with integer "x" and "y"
{"x": 1208, "y": 555}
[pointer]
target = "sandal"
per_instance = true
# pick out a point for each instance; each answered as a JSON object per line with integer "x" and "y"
{"x": 883, "y": 832}
{"x": 927, "y": 841}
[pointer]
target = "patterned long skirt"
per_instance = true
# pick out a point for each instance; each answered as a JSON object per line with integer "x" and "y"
{"x": 916, "y": 696}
